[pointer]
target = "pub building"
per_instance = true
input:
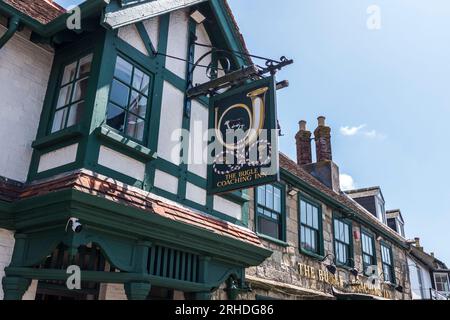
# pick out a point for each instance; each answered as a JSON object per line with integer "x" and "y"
{"x": 88, "y": 113}
{"x": 89, "y": 177}
{"x": 326, "y": 243}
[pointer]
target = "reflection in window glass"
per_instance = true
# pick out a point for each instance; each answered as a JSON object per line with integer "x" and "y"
{"x": 342, "y": 242}
{"x": 127, "y": 108}
{"x": 269, "y": 210}
{"x": 71, "y": 94}
{"x": 310, "y": 227}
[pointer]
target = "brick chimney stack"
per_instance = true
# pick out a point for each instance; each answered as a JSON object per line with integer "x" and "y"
{"x": 303, "y": 139}
{"x": 323, "y": 141}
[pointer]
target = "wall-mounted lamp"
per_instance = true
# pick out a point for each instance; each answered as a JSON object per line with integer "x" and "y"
{"x": 332, "y": 266}
{"x": 353, "y": 270}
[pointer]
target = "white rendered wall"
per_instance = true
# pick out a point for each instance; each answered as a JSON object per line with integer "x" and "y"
{"x": 198, "y": 142}
{"x": 171, "y": 121}
{"x": 121, "y": 163}
{"x": 200, "y": 75}
{"x": 58, "y": 158}
{"x": 166, "y": 182}
{"x": 177, "y": 44}
{"x": 6, "y": 251}
{"x": 227, "y": 207}
{"x": 130, "y": 35}
{"x": 196, "y": 194}
{"x": 24, "y": 72}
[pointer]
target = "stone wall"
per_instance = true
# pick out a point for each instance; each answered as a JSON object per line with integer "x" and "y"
{"x": 279, "y": 276}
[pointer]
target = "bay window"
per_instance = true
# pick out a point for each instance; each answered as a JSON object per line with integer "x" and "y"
{"x": 129, "y": 97}
{"x": 72, "y": 91}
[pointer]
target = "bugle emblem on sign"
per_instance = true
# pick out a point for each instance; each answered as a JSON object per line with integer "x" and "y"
{"x": 246, "y": 137}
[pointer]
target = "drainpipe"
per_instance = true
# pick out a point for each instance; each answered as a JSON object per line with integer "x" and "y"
{"x": 13, "y": 27}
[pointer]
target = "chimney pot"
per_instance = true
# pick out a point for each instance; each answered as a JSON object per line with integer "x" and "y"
{"x": 302, "y": 125}
{"x": 322, "y": 135}
{"x": 303, "y": 141}
{"x": 321, "y": 121}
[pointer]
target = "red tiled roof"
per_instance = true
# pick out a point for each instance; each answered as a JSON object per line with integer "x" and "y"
{"x": 291, "y": 166}
{"x": 43, "y": 11}
{"x": 112, "y": 190}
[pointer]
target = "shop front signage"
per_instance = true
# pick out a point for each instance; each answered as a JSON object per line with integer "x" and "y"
{"x": 360, "y": 285}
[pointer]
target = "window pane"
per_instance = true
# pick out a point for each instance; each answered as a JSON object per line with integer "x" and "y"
{"x": 138, "y": 104}
{"x": 347, "y": 234}
{"x": 123, "y": 70}
{"x": 75, "y": 114}
{"x": 85, "y": 66}
{"x": 277, "y": 200}
{"x": 315, "y": 218}
{"x": 303, "y": 212}
{"x": 269, "y": 196}
{"x": 119, "y": 94}
{"x": 115, "y": 117}
{"x": 303, "y": 236}
{"x": 313, "y": 241}
{"x": 262, "y": 195}
{"x": 64, "y": 96}
{"x": 80, "y": 90}
{"x": 135, "y": 127}
{"x": 269, "y": 228}
{"x": 59, "y": 120}
{"x": 141, "y": 81}
{"x": 69, "y": 73}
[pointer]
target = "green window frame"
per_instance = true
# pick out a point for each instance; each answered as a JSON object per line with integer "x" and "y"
{"x": 343, "y": 242}
{"x": 310, "y": 227}
{"x": 387, "y": 262}
{"x": 72, "y": 89}
{"x": 368, "y": 250}
{"x": 129, "y": 100}
{"x": 271, "y": 211}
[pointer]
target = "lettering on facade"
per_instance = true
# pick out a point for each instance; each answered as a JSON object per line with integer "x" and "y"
{"x": 358, "y": 286}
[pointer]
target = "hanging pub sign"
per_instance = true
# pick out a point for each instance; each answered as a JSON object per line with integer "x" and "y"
{"x": 244, "y": 151}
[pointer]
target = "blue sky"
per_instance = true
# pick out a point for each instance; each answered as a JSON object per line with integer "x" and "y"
{"x": 385, "y": 93}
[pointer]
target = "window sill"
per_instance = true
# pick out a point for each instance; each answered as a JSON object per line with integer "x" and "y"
{"x": 312, "y": 255}
{"x": 57, "y": 137}
{"x": 273, "y": 240}
{"x": 127, "y": 145}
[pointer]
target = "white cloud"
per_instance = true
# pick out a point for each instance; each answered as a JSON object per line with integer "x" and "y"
{"x": 347, "y": 182}
{"x": 351, "y": 131}
{"x": 358, "y": 130}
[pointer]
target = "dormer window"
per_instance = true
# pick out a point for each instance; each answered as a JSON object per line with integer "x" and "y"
{"x": 381, "y": 212}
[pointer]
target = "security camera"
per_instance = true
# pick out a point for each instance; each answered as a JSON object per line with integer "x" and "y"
{"x": 74, "y": 224}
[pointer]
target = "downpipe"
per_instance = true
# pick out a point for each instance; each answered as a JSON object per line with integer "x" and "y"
{"x": 14, "y": 23}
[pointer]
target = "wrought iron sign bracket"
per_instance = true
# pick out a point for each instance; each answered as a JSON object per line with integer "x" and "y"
{"x": 235, "y": 77}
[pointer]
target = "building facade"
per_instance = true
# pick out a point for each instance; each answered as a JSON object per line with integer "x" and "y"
{"x": 97, "y": 172}
{"x": 327, "y": 244}
{"x": 92, "y": 174}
